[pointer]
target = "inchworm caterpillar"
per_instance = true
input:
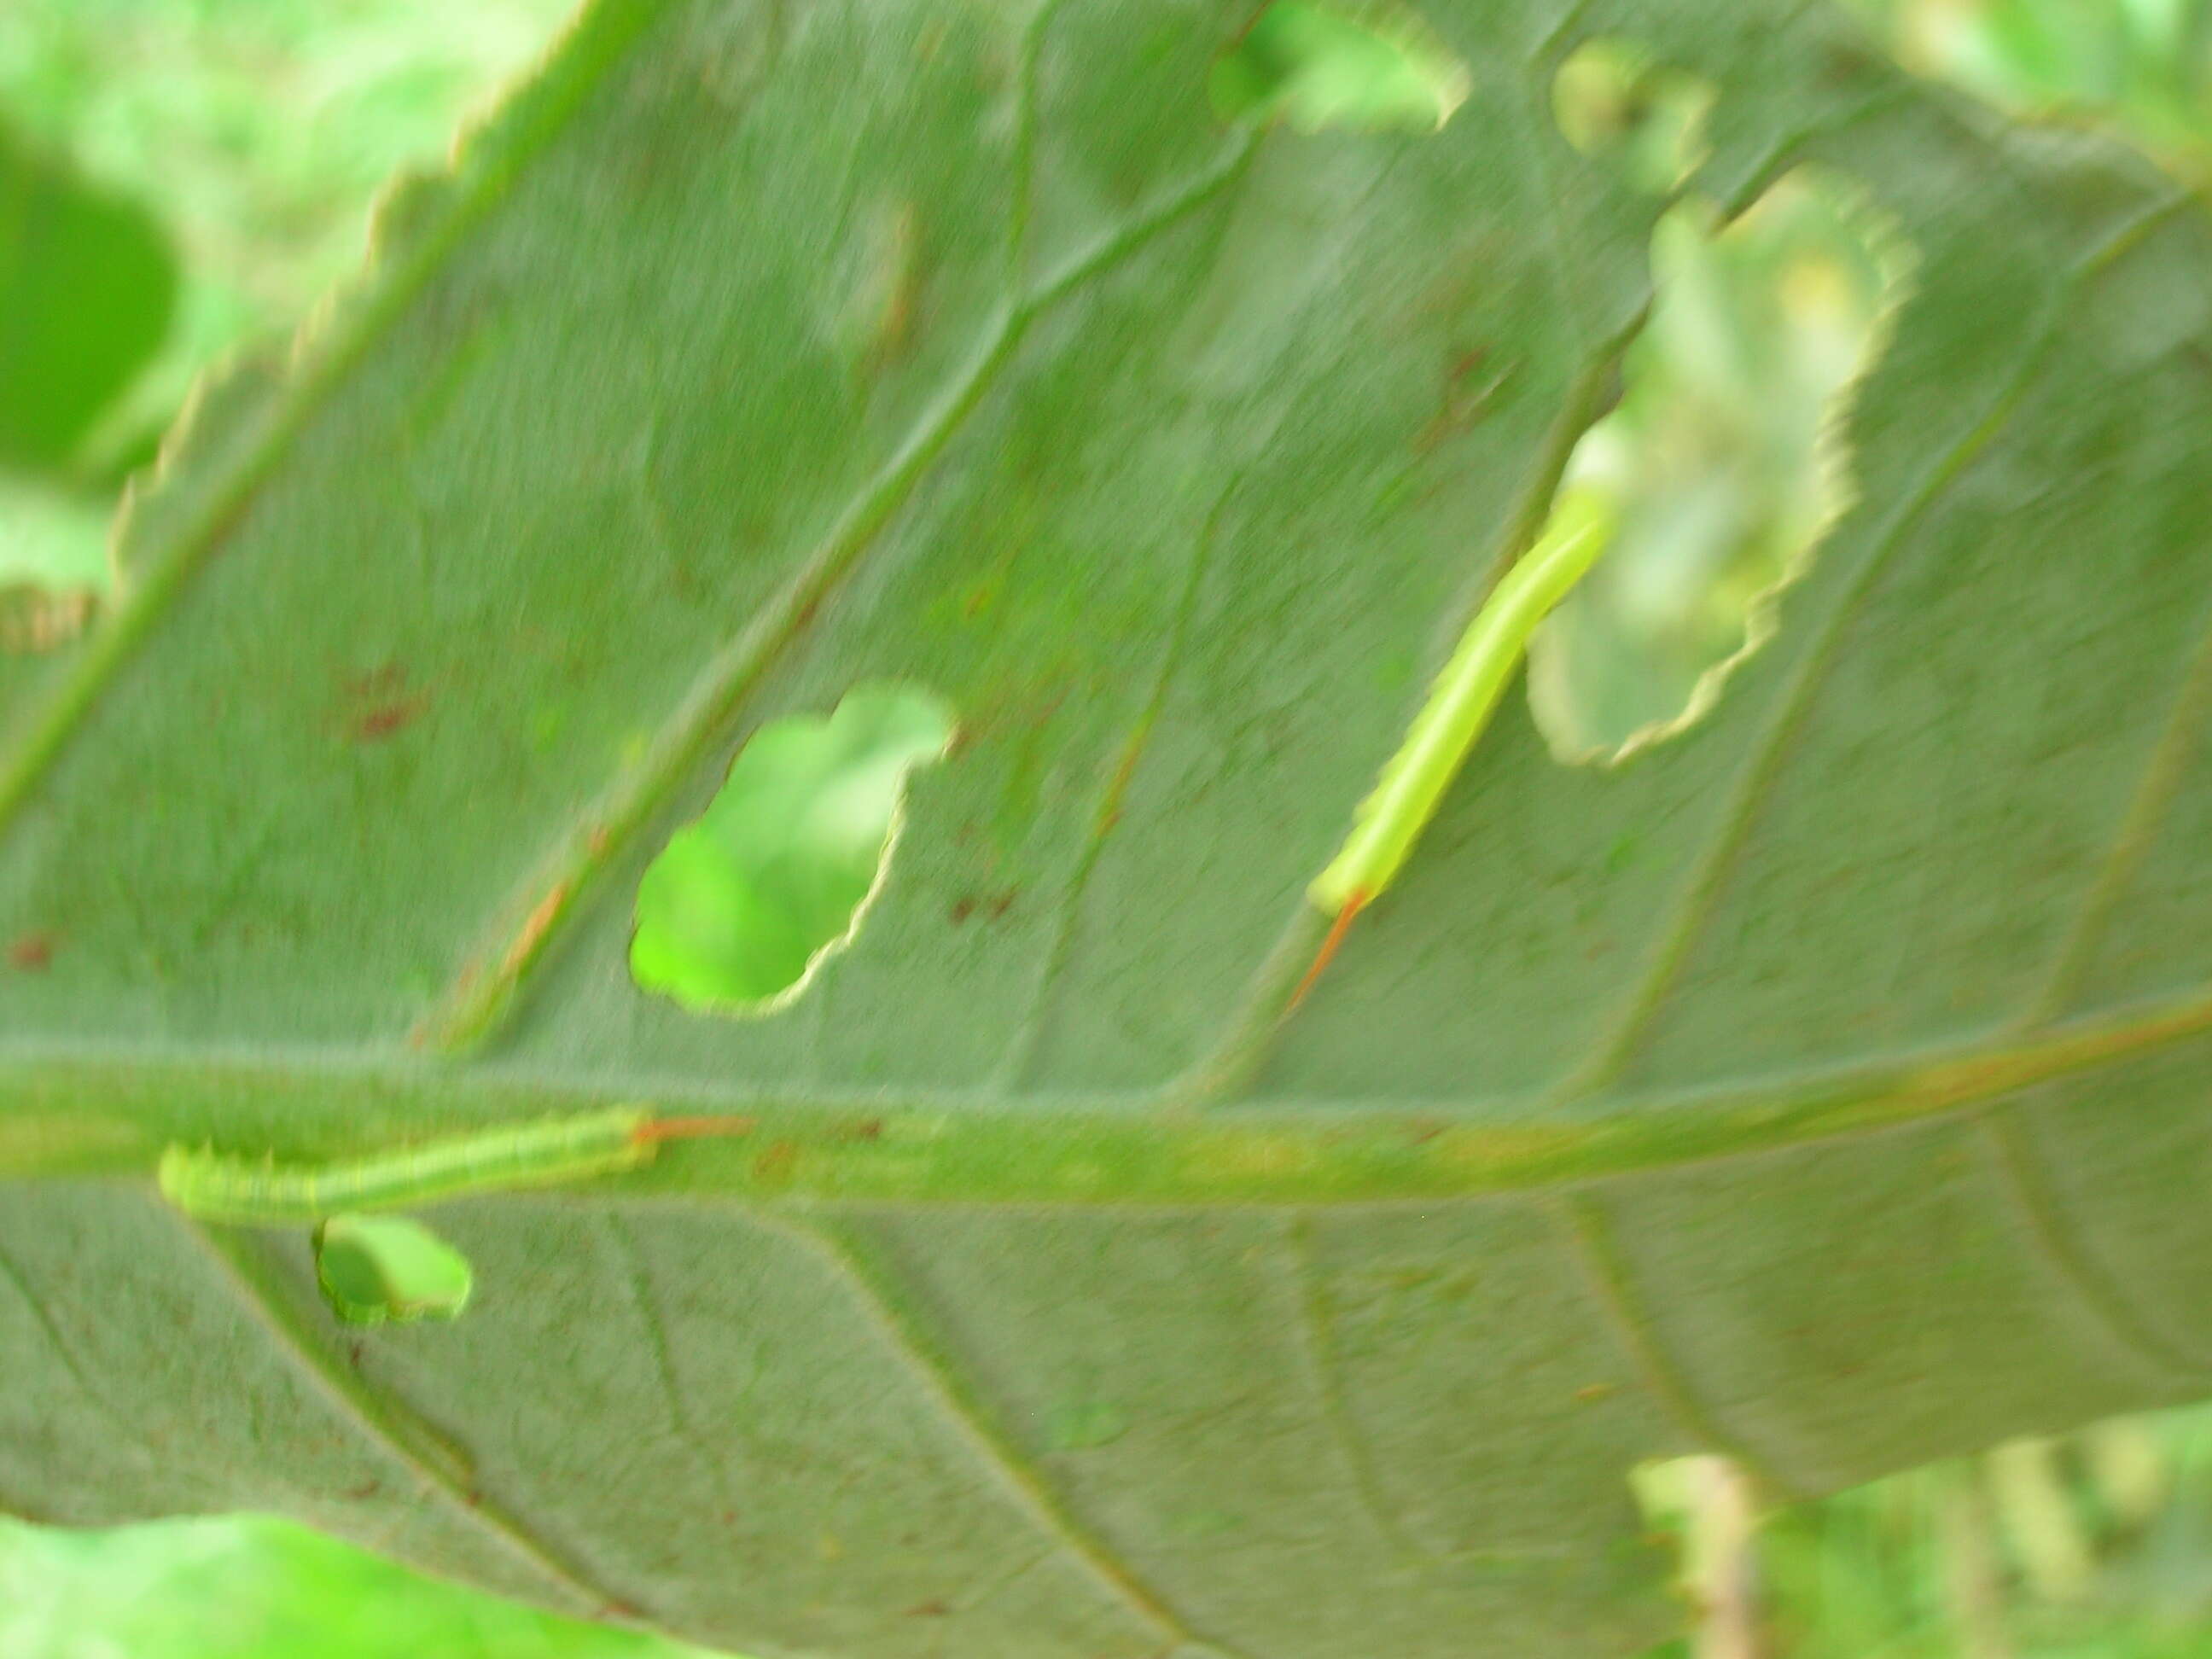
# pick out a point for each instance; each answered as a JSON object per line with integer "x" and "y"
{"x": 1460, "y": 704}
{"x": 250, "y": 1192}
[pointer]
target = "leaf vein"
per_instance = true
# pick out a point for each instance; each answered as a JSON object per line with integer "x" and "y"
{"x": 2057, "y": 1245}
{"x": 475, "y": 1005}
{"x": 1587, "y": 1235}
{"x": 440, "y": 1469}
{"x": 1015, "y": 1473}
{"x": 2164, "y": 768}
{"x": 1015, "y": 1070}
{"x": 1316, "y": 1344}
{"x": 63, "y": 1349}
{"x": 637, "y": 1282}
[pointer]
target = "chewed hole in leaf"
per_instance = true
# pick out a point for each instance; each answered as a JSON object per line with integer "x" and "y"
{"x": 1724, "y": 462}
{"x": 377, "y": 1270}
{"x": 1615, "y": 102}
{"x": 744, "y": 904}
{"x": 1347, "y": 66}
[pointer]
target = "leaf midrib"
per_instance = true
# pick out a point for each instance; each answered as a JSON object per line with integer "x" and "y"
{"x": 968, "y": 1147}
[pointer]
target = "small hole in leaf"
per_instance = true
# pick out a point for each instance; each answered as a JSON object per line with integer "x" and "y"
{"x": 377, "y": 1270}
{"x": 745, "y": 902}
{"x": 1347, "y": 66}
{"x": 1615, "y": 102}
{"x": 1723, "y": 464}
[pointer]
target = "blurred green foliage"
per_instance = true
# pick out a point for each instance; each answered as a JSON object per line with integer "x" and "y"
{"x": 2096, "y": 1546}
{"x": 2141, "y": 68}
{"x": 252, "y": 1588}
{"x": 87, "y": 282}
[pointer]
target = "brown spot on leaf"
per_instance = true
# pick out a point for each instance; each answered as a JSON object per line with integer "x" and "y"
{"x": 720, "y": 1127}
{"x": 1844, "y": 65}
{"x": 1133, "y": 751}
{"x": 935, "y": 1607}
{"x": 379, "y": 706}
{"x": 992, "y": 905}
{"x": 774, "y": 1163}
{"x": 899, "y": 276}
{"x": 535, "y": 927}
{"x": 31, "y": 953}
{"x": 388, "y": 719}
{"x": 1468, "y": 388}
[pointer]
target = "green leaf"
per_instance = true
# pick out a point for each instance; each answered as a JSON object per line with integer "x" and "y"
{"x": 1826, "y": 1088}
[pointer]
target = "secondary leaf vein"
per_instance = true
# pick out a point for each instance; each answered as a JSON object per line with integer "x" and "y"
{"x": 1587, "y": 1235}
{"x": 2044, "y": 1223}
{"x": 439, "y": 1467}
{"x": 1015, "y": 1473}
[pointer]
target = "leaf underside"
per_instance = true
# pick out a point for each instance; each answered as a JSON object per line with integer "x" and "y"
{"x": 1826, "y": 1088}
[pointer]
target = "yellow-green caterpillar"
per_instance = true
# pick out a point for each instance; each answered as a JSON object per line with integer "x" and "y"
{"x": 249, "y": 1192}
{"x": 1465, "y": 693}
